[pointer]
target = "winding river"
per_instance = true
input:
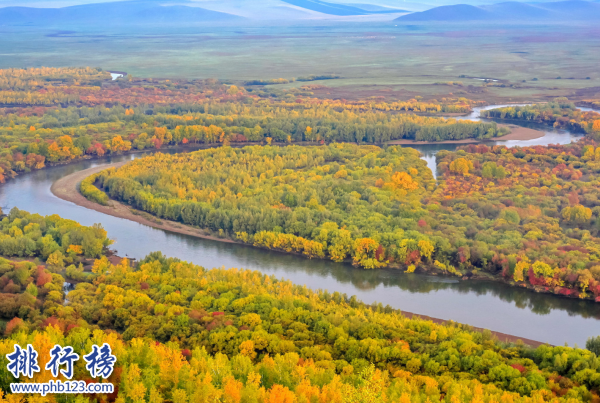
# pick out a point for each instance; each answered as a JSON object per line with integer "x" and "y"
{"x": 551, "y": 136}
{"x": 491, "y": 305}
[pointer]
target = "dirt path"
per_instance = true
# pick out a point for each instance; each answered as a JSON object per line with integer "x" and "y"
{"x": 67, "y": 188}
{"x": 516, "y": 133}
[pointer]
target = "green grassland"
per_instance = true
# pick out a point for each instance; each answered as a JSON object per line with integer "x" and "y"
{"x": 398, "y": 60}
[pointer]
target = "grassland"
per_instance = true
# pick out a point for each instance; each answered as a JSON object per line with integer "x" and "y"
{"x": 374, "y": 59}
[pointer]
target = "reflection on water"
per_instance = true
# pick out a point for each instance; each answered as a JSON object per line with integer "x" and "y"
{"x": 484, "y": 304}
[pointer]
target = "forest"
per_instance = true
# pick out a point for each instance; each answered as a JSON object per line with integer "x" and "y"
{"x": 529, "y": 216}
{"x": 182, "y": 333}
{"x": 288, "y": 170}
{"x": 51, "y": 116}
{"x": 560, "y": 113}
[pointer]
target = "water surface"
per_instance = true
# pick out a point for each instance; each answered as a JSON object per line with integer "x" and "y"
{"x": 511, "y": 310}
{"x": 551, "y": 136}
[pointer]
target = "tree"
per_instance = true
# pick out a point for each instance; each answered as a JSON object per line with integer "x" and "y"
{"x": 521, "y": 267}
{"x": 491, "y": 170}
{"x": 32, "y": 289}
{"x": 101, "y": 266}
{"x": 340, "y": 245}
{"x": 365, "y": 253}
{"x": 233, "y": 90}
{"x": 57, "y": 153}
{"x": 280, "y": 394}
{"x": 577, "y": 214}
{"x": 426, "y": 248}
{"x": 56, "y": 259}
{"x": 461, "y": 166}
{"x": 542, "y": 269}
{"x": 119, "y": 145}
{"x": 232, "y": 390}
{"x": 403, "y": 181}
{"x": 370, "y": 389}
{"x": 593, "y": 344}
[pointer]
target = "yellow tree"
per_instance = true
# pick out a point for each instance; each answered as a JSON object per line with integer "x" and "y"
{"x": 280, "y": 394}
{"x": 461, "y": 166}
{"x": 426, "y": 248}
{"x": 402, "y": 180}
{"x": 341, "y": 245}
{"x": 308, "y": 134}
{"x": 101, "y": 266}
{"x": 577, "y": 214}
{"x": 119, "y": 145}
{"x": 521, "y": 267}
{"x": 134, "y": 388}
{"x": 56, "y": 259}
{"x": 57, "y": 153}
{"x": 371, "y": 387}
{"x": 364, "y": 253}
{"x": 232, "y": 390}
{"x": 542, "y": 269}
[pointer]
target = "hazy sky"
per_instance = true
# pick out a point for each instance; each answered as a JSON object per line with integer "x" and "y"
{"x": 66, "y": 3}
{"x": 397, "y": 3}
{"x": 417, "y": 4}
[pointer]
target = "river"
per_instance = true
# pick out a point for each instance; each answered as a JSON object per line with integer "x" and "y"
{"x": 551, "y": 136}
{"x": 491, "y": 305}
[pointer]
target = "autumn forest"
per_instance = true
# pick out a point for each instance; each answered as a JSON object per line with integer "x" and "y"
{"x": 288, "y": 169}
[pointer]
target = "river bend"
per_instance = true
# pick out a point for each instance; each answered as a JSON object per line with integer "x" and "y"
{"x": 511, "y": 310}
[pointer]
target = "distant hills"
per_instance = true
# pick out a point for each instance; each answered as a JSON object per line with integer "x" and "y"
{"x": 283, "y": 10}
{"x": 126, "y": 12}
{"x": 190, "y": 12}
{"x": 135, "y": 12}
{"x": 511, "y": 11}
{"x": 342, "y": 9}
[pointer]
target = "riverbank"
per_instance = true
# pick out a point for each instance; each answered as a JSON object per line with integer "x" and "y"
{"x": 66, "y": 188}
{"x": 502, "y": 337}
{"x": 516, "y": 133}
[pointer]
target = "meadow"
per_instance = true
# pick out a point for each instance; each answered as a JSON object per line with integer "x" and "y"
{"x": 382, "y": 59}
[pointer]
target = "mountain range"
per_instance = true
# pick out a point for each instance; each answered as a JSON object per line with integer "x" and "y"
{"x": 189, "y": 12}
{"x": 511, "y": 11}
{"x": 186, "y": 11}
{"x": 126, "y": 12}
